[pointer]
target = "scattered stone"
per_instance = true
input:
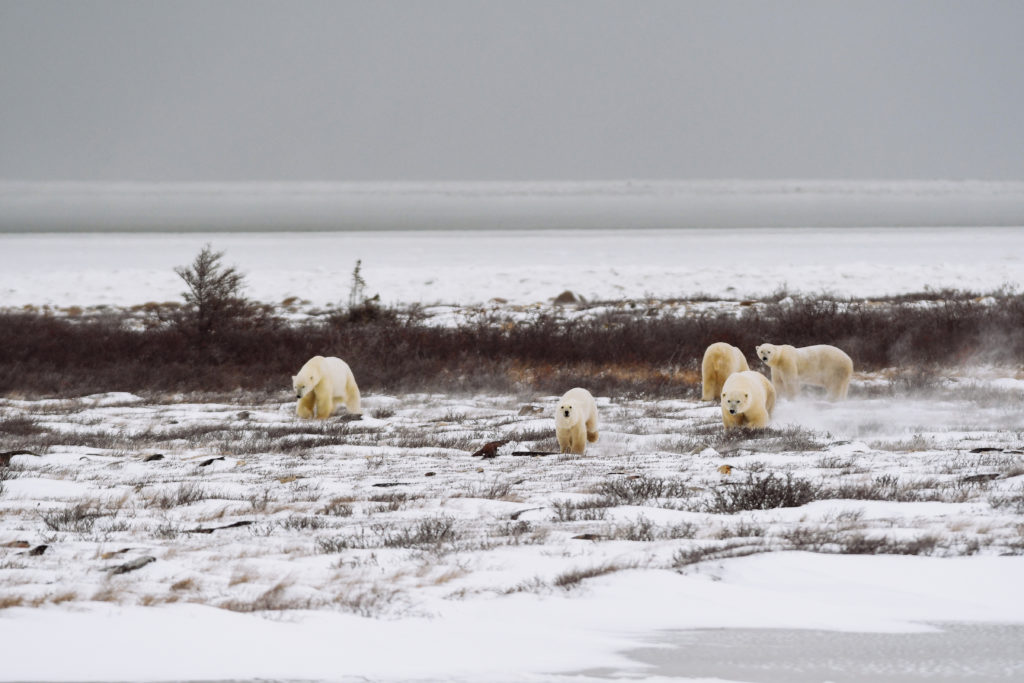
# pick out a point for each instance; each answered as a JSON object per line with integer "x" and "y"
{"x": 567, "y": 298}
{"x": 725, "y": 469}
{"x": 429, "y": 474}
{"x": 151, "y": 458}
{"x": 210, "y": 530}
{"x": 137, "y": 563}
{"x": 210, "y": 461}
{"x": 976, "y": 478}
{"x": 515, "y": 515}
{"x": 114, "y": 553}
{"x": 388, "y": 484}
{"x": 287, "y": 480}
{"x": 499, "y": 300}
{"x": 243, "y": 415}
{"x": 530, "y": 410}
{"x": 532, "y": 454}
{"x": 38, "y": 550}
{"x": 588, "y": 537}
{"x": 490, "y": 449}
{"x": 15, "y": 544}
{"x": 986, "y": 450}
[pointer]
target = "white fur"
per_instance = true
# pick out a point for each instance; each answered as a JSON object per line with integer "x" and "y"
{"x": 575, "y": 421}
{"x": 748, "y": 399}
{"x": 821, "y": 366}
{"x": 720, "y": 361}
{"x": 321, "y": 384}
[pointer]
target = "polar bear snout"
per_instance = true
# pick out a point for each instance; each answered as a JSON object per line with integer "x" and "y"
{"x": 566, "y": 413}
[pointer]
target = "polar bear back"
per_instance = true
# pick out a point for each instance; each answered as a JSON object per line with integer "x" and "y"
{"x": 338, "y": 373}
{"x": 819, "y": 364}
{"x": 720, "y": 361}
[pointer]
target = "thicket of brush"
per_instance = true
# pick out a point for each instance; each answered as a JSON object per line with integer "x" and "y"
{"x": 390, "y": 350}
{"x": 219, "y": 341}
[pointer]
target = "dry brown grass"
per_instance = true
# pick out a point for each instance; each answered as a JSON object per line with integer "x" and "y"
{"x": 618, "y": 352}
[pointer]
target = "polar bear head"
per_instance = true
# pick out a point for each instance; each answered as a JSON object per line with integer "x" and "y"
{"x": 735, "y": 400}
{"x": 307, "y": 379}
{"x": 567, "y": 413}
{"x": 767, "y": 352}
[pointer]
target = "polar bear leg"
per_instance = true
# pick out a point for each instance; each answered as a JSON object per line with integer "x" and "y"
{"x": 838, "y": 386}
{"x": 564, "y": 440}
{"x": 730, "y": 421}
{"x": 757, "y": 418}
{"x": 711, "y": 381}
{"x": 769, "y": 400}
{"x": 591, "y": 428}
{"x": 304, "y": 408}
{"x": 579, "y": 438}
{"x": 352, "y": 396}
{"x": 324, "y": 405}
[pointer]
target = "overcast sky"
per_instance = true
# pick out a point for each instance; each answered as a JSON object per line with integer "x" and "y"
{"x": 516, "y": 90}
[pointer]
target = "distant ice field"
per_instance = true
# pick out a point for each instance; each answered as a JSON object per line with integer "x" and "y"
{"x": 521, "y": 267}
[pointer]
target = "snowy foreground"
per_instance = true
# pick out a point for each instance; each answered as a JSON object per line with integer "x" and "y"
{"x": 260, "y": 545}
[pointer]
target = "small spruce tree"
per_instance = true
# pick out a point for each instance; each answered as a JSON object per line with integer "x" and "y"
{"x": 214, "y": 298}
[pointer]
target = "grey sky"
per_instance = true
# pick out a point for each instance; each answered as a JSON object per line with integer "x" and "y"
{"x": 474, "y": 90}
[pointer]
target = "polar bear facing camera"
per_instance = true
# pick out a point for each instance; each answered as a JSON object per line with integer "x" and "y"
{"x": 748, "y": 399}
{"x": 720, "y": 361}
{"x": 820, "y": 366}
{"x": 321, "y": 384}
{"x": 575, "y": 421}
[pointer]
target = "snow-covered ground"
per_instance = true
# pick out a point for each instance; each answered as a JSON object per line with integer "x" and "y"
{"x": 519, "y": 267}
{"x": 260, "y": 545}
{"x": 263, "y": 546}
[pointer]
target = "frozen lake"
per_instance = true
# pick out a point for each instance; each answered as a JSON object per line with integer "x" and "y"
{"x": 955, "y": 652}
{"x": 522, "y": 267}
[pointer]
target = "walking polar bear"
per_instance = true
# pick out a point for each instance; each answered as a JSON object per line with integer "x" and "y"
{"x": 720, "y": 361}
{"x": 821, "y": 365}
{"x": 575, "y": 421}
{"x": 748, "y": 399}
{"x": 321, "y": 384}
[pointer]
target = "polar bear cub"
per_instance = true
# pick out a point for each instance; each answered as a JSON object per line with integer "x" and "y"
{"x": 575, "y": 421}
{"x": 321, "y": 384}
{"x": 820, "y": 366}
{"x": 720, "y": 361}
{"x": 748, "y": 399}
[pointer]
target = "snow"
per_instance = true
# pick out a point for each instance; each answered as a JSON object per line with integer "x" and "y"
{"x": 522, "y": 268}
{"x": 517, "y": 637}
{"x": 486, "y": 608}
{"x": 489, "y": 607}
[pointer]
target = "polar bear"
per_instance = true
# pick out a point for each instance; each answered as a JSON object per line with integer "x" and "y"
{"x": 575, "y": 421}
{"x": 322, "y": 383}
{"x": 821, "y": 366}
{"x": 748, "y": 399}
{"x": 720, "y": 361}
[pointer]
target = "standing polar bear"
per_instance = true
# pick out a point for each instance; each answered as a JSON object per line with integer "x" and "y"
{"x": 321, "y": 384}
{"x": 720, "y": 361}
{"x": 575, "y": 421}
{"x": 820, "y": 366}
{"x": 748, "y": 399}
